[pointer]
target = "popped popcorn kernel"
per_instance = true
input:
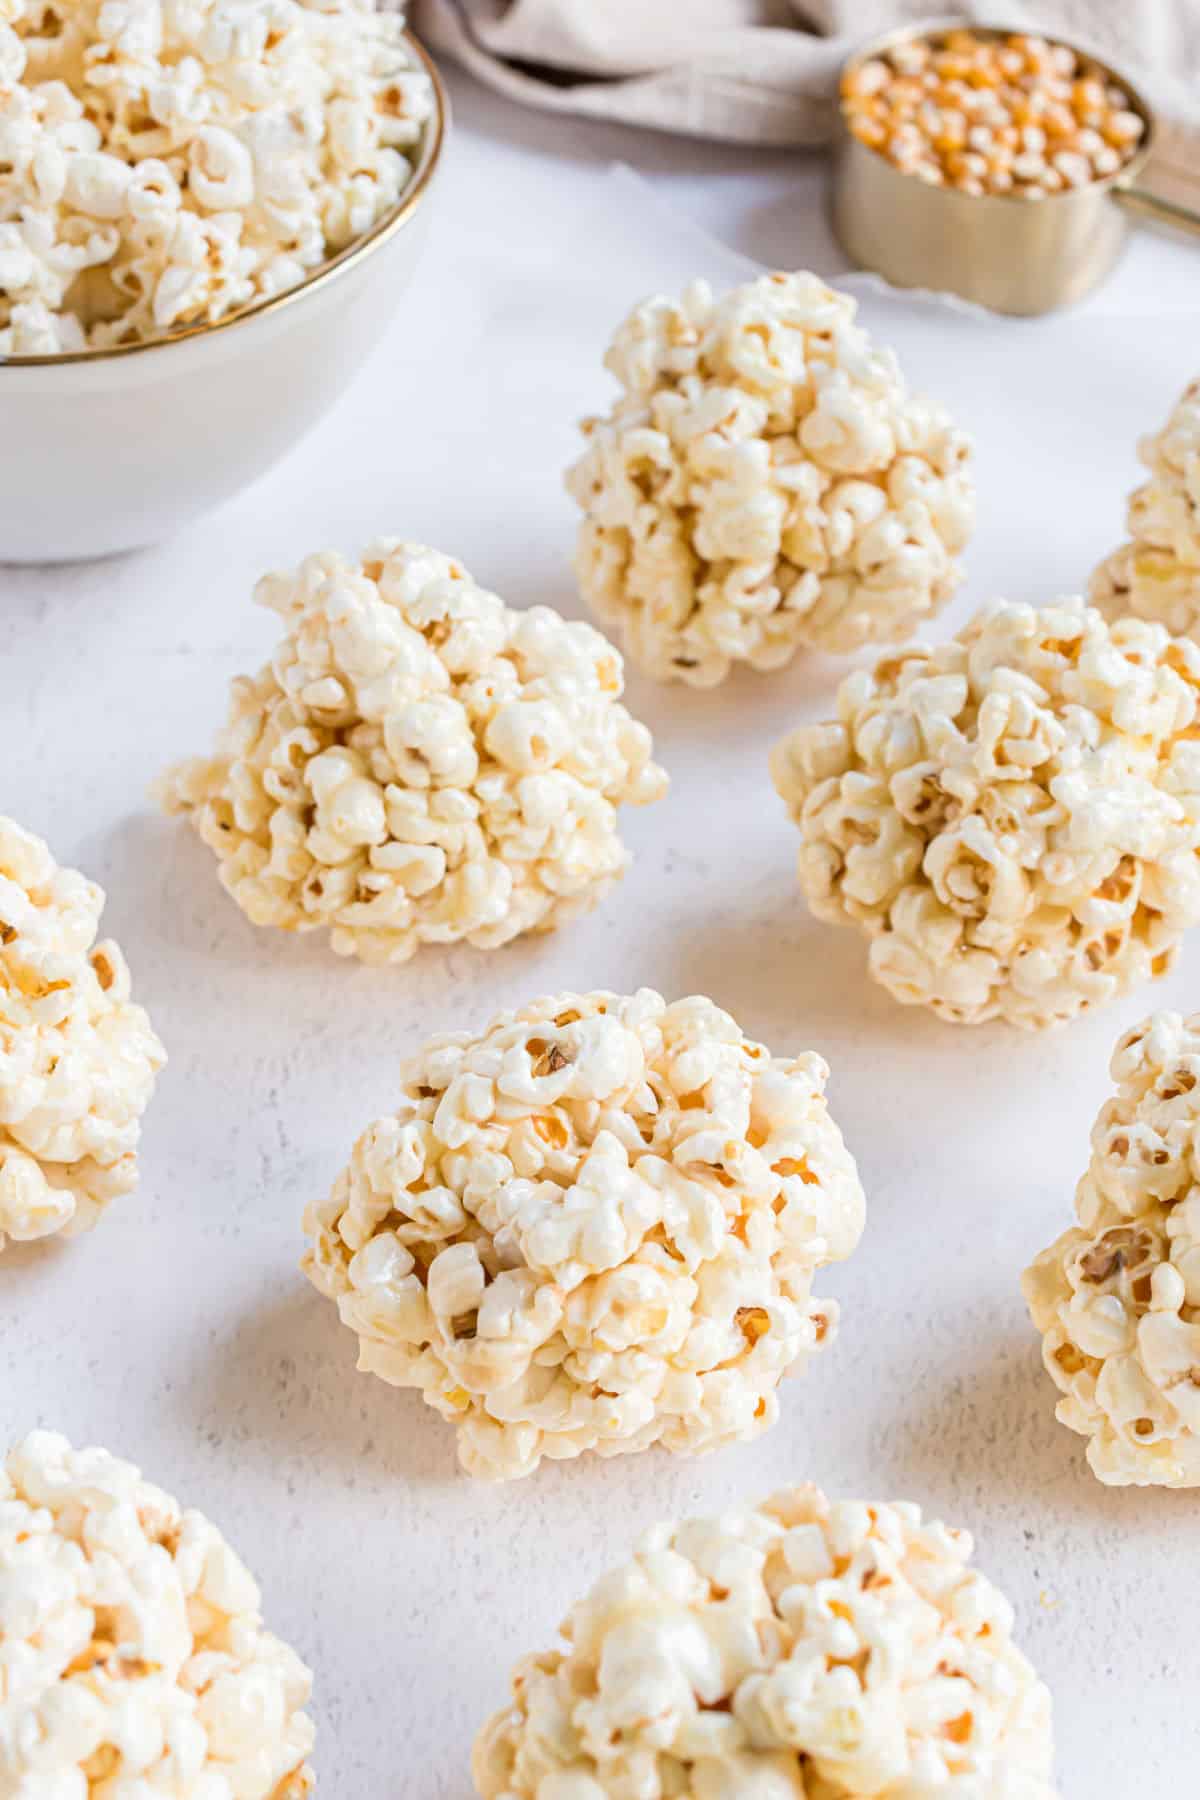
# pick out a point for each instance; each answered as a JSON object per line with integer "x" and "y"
{"x": 765, "y": 482}
{"x": 133, "y": 1658}
{"x": 1117, "y": 1297}
{"x": 164, "y": 163}
{"x": 805, "y": 1647}
{"x": 592, "y": 1226}
{"x": 1012, "y": 816}
{"x": 1155, "y": 574}
{"x": 77, "y": 1058}
{"x": 419, "y": 763}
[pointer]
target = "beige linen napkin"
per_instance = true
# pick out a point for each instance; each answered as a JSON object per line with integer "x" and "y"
{"x": 764, "y": 71}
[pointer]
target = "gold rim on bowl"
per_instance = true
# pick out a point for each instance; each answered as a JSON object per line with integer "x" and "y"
{"x": 380, "y": 233}
{"x": 929, "y": 30}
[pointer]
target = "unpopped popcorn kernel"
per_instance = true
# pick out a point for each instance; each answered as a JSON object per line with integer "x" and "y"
{"x": 765, "y": 482}
{"x": 165, "y": 163}
{"x": 1156, "y": 573}
{"x": 133, "y": 1658}
{"x": 1117, "y": 1298}
{"x": 419, "y": 763}
{"x": 804, "y": 1647}
{"x": 921, "y": 125}
{"x": 1012, "y": 816}
{"x": 77, "y": 1058}
{"x": 594, "y": 1226}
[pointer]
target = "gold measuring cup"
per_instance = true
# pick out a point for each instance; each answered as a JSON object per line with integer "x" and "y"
{"x": 1008, "y": 253}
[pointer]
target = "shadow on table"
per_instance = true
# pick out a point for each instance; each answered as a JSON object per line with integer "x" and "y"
{"x": 164, "y": 894}
{"x": 184, "y": 935}
{"x": 987, "y": 1437}
{"x": 749, "y": 708}
{"x": 772, "y": 965}
{"x": 282, "y": 1381}
{"x": 25, "y": 1258}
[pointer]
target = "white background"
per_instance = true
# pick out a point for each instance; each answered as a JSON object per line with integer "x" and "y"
{"x": 181, "y": 1333}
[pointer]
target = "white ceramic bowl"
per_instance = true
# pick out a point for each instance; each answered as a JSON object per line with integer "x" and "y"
{"x": 106, "y": 450}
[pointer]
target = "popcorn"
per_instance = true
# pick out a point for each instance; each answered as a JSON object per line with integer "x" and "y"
{"x": 1011, "y": 816}
{"x": 1117, "y": 1298}
{"x": 165, "y": 162}
{"x": 1156, "y": 574}
{"x": 805, "y": 1647}
{"x": 592, "y": 1227}
{"x": 418, "y": 763}
{"x": 765, "y": 482}
{"x": 133, "y": 1659}
{"x": 77, "y": 1058}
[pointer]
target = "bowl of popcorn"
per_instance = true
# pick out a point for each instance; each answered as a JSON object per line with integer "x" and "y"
{"x": 992, "y": 164}
{"x": 206, "y": 216}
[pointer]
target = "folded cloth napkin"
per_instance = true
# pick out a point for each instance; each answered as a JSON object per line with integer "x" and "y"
{"x": 765, "y": 71}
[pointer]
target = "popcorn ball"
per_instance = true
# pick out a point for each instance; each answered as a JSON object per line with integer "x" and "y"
{"x": 77, "y": 1058}
{"x": 1156, "y": 574}
{"x": 1117, "y": 1298}
{"x": 418, "y": 763}
{"x": 1011, "y": 816}
{"x": 133, "y": 1659}
{"x": 594, "y": 1226}
{"x": 765, "y": 482}
{"x": 165, "y": 162}
{"x": 806, "y": 1647}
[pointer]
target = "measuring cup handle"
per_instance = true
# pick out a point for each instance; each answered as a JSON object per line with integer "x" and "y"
{"x": 1156, "y": 207}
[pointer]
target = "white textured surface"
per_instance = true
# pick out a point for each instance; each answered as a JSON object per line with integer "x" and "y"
{"x": 181, "y": 1332}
